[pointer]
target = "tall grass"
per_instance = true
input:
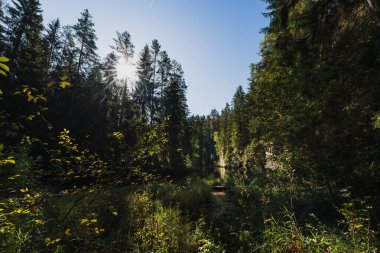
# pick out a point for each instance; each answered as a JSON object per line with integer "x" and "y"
{"x": 153, "y": 218}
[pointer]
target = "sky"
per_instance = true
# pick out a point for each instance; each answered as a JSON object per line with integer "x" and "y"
{"x": 214, "y": 40}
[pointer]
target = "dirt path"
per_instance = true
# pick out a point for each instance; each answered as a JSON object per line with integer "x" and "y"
{"x": 221, "y": 202}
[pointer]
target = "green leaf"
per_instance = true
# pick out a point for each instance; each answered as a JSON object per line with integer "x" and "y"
{"x": 9, "y": 161}
{"x": 84, "y": 221}
{"x": 3, "y": 73}
{"x": 5, "y": 67}
{"x": 4, "y": 59}
{"x": 64, "y": 84}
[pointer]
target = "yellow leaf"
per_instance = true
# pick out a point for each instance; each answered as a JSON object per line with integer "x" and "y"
{"x": 83, "y": 221}
{"x": 3, "y": 73}
{"x": 67, "y": 232}
{"x": 39, "y": 222}
{"x": 5, "y": 67}
{"x": 98, "y": 230}
{"x": 94, "y": 220}
{"x": 115, "y": 213}
{"x": 4, "y": 59}
{"x": 10, "y": 160}
{"x": 64, "y": 84}
{"x": 24, "y": 190}
{"x": 14, "y": 177}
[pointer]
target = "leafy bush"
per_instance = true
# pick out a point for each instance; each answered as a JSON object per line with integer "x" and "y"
{"x": 285, "y": 235}
{"x": 192, "y": 198}
{"x": 125, "y": 220}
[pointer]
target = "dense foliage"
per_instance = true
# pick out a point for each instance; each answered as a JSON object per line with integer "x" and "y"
{"x": 93, "y": 159}
{"x": 306, "y": 128}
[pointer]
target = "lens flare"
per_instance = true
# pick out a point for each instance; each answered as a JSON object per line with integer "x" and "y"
{"x": 125, "y": 70}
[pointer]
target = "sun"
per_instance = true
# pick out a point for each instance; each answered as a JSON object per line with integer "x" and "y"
{"x": 125, "y": 70}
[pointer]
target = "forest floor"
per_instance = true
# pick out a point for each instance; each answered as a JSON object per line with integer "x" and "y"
{"x": 221, "y": 201}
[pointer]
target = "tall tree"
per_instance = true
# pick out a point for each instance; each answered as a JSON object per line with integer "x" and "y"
{"x": 23, "y": 31}
{"x": 52, "y": 41}
{"x": 145, "y": 85}
{"x": 176, "y": 111}
{"x": 86, "y": 38}
{"x": 306, "y": 103}
{"x": 155, "y": 50}
{"x": 239, "y": 121}
{"x": 222, "y": 136}
{"x": 164, "y": 69}
{"x": 69, "y": 52}
{"x": 123, "y": 45}
{"x": 124, "y": 54}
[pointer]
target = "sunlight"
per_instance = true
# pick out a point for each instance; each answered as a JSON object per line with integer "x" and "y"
{"x": 125, "y": 70}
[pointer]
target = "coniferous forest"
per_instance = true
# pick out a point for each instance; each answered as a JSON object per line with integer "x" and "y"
{"x": 91, "y": 163}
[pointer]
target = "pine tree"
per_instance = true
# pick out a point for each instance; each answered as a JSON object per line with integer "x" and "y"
{"x": 124, "y": 54}
{"x": 124, "y": 46}
{"x": 239, "y": 121}
{"x": 155, "y": 50}
{"x": 305, "y": 102}
{"x": 176, "y": 111}
{"x": 164, "y": 69}
{"x": 223, "y": 135}
{"x": 203, "y": 151}
{"x": 53, "y": 43}
{"x": 86, "y": 38}
{"x": 23, "y": 31}
{"x": 145, "y": 85}
{"x": 69, "y": 52}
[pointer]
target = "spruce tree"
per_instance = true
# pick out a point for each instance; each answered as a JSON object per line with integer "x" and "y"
{"x": 176, "y": 112}
{"x": 23, "y": 31}
{"x": 145, "y": 85}
{"x": 124, "y": 54}
{"x": 52, "y": 42}
{"x": 86, "y": 39}
{"x": 69, "y": 52}
{"x": 123, "y": 45}
{"x": 164, "y": 69}
{"x": 239, "y": 121}
{"x": 155, "y": 50}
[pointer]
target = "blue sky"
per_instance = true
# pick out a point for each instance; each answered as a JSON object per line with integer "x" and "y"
{"x": 214, "y": 40}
